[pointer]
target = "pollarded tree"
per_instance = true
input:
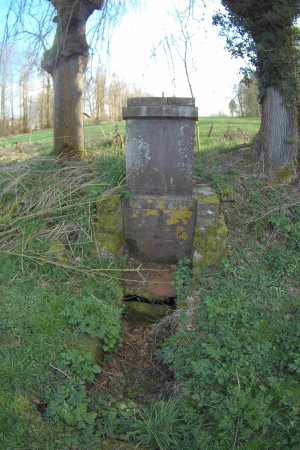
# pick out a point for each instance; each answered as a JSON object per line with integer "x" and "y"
{"x": 66, "y": 61}
{"x": 264, "y": 30}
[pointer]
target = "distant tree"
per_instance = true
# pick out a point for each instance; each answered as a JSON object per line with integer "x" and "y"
{"x": 116, "y": 95}
{"x": 45, "y": 101}
{"x": 233, "y": 107}
{"x": 24, "y": 104}
{"x": 247, "y": 97}
{"x": 95, "y": 84}
{"x": 3, "y": 98}
{"x": 264, "y": 31}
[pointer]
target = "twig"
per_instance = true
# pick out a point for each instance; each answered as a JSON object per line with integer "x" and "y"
{"x": 56, "y": 369}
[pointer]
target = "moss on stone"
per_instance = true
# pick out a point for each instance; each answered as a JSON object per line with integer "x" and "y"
{"x": 137, "y": 289}
{"x": 132, "y": 246}
{"x": 209, "y": 199}
{"x": 57, "y": 252}
{"x": 209, "y": 245}
{"x": 285, "y": 174}
{"x": 108, "y": 214}
{"x": 108, "y": 244}
{"x": 145, "y": 312}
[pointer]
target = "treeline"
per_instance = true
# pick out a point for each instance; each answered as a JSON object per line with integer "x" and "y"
{"x": 245, "y": 101}
{"x": 26, "y": 101}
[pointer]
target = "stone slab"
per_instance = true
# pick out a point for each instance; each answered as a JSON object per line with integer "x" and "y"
{"x": 159, "y": 250}
{"x": 168, "y": 111}
{"x": 160, "y": 156}
{"x": 151, "y": 280}
{"x": 160, "y": 101}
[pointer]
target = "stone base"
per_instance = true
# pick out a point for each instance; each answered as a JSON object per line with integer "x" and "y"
{"x": 159, "y": 228}
{"x": 210, "y": 235}
{"x": 152, "y": 281}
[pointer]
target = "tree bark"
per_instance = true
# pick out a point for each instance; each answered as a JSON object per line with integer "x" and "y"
{"x": 68, "y": 108}
{"x": 66, "y": 61}
{"x": 277, "y": 144}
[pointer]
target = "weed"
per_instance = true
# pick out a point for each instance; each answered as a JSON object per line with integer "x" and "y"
{"x": 182, "y": 279}
{"x": 96, "y": 318}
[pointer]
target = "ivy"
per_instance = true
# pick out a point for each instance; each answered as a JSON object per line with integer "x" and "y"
{"x": 265, "y": 34}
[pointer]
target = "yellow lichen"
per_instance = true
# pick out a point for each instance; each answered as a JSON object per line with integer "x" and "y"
{"x": 161, "y": 204}
{"x": 178, "y": 214}
{"x": 181, "y": 233}
{"x": 149, "y": 201}
{"x": 151, "y": 212}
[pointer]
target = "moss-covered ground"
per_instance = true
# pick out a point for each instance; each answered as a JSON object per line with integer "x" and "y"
{"x": 221, "y": 372}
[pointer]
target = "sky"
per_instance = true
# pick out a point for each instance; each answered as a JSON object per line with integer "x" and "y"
{"x": 213, "y": 72}
{"x": 136, "y": 57}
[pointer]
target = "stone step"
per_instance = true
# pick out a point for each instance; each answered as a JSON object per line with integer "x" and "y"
{"x": 149, "y": 280}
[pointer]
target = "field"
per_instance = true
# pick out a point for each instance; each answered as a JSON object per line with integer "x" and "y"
{"x": 225, "y": 130}
{"x": 220, "y": 372}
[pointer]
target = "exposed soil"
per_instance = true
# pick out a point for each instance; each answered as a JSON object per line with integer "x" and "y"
{"x": 136, "y": 372}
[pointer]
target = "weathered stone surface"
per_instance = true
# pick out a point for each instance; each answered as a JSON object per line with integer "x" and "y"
{"x": 161, "y": 112}
{"x": 167, "y": 202}
{"x": 141, "y": 312}
{"x": 159, "y": 156}
{"x": 210, "y": 236}
{"x": 152, "y": 281}
{"x": 160, "y": 101}
{"x": 159, "y": 228}
{"x": 152, "y": 249}
{"x": 108, "y": 229}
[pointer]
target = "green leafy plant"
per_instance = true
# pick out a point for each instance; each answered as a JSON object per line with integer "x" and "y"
{"x": 96, "y": 318}
{"x": 182, "y": 279}
{"x": 78, "y": 365}
{"x": 69, "y": 410}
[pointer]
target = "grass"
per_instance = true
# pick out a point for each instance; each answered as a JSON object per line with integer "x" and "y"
{"x": 226, "y": 131}
{"x": 45, "y": 137}
{"x": 235, "y": 368}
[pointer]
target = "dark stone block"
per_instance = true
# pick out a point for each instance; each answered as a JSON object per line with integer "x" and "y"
{"x": 159, "y": 156}
{"x": 160, "y": 250}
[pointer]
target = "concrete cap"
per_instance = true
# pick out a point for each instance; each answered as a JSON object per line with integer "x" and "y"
{"x": 160, "y": 107}
{"x": 161, "y": 101}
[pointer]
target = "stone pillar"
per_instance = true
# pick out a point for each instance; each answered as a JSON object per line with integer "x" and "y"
{"x": 159, "y": 215}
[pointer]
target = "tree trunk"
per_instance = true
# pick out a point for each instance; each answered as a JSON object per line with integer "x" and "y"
{"x": 68, "y": 108}
{"x": 66, "y": 61}
{"x": 278, "y": 135}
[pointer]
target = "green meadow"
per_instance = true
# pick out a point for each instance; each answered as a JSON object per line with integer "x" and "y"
{"x": 222, "y": 371}
{"x": 223, "y": 131}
